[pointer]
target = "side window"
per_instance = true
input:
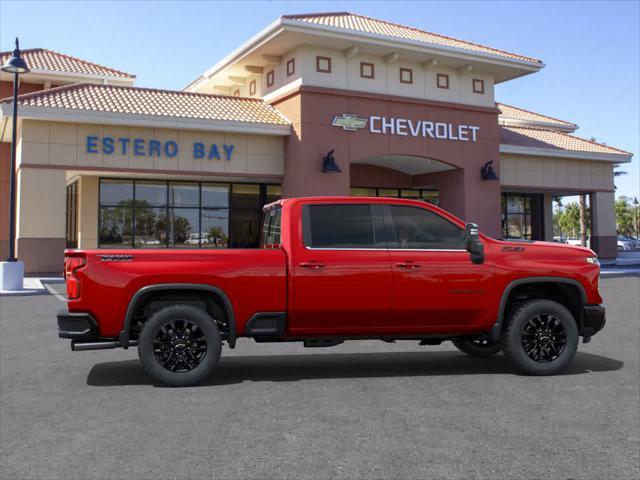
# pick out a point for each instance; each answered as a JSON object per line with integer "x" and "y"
{"x": 342, "y": 226}
{"x": 271, "y": 228}
{"x": 416, "y": 228}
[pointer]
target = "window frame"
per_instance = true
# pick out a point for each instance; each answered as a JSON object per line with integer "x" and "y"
{"x": 377, "y": 230}
{"x": 373, "y": 70}
{"x": 291, "y": 66}
{"x": 480, "y": 82}
{"x": 319, "y": 58}
{"x": 270, "y": 78}
{"x": 410, "y": 72}
{"x": 446, "y": 79}
{"x": 252, "y": 88}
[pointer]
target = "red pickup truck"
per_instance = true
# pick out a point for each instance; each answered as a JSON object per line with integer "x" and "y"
{"x": 332, "y": 269}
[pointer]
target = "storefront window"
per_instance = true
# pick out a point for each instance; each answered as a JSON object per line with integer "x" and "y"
{"x": 156, "y": 214}
{"x": 72, "y": 215}
{"x": 430, "y": 196}
{"x": 245, "y": 215}
{"x": 520, "y": 216}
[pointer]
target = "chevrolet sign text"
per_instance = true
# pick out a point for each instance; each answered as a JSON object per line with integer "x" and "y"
{"x": 423, "y": 128}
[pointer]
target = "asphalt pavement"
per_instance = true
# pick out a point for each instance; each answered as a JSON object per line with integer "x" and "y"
{"x": 363, "y": 409}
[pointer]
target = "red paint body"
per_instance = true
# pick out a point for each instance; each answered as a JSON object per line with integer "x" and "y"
{"x": 355, "y": 293}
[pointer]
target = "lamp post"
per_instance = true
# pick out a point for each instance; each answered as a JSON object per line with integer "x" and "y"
{"x": 12, "y": 275}
{"x": 635, "y": 214}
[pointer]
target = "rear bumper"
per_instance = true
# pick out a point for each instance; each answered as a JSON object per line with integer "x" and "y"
{"x": 594, "y": 320}
{"x": 77, "y": 326}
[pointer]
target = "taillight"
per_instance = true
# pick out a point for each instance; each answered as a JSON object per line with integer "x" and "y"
{"x": 72, "y": 264}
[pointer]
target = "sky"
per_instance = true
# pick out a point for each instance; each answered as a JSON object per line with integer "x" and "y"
{"x": 591, "y": 49}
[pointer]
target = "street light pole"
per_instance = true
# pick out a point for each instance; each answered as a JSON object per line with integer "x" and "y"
{"x": 12, "y": 271}
{"x": 12, "y": 175}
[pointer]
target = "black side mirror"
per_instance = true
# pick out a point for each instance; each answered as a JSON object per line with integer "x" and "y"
{"x": 474, "y": 245}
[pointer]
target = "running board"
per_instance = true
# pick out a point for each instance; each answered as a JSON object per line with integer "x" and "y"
{"x": 79, "y": 346}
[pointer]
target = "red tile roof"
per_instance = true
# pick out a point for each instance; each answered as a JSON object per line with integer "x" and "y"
{"x": 360, "y": 23}
{"x": 553, "y": 140}
{"x": 48, "y": 60}
{"x": 148, "y": 101}
{"x": 516, "y": 113}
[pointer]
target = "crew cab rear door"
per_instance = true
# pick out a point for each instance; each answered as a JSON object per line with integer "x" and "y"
{"x": 435, "y": 284}
{"x": 341, "y": 275}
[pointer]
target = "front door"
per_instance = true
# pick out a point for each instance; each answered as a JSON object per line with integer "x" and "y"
{"x": 341, "y": 281}
{"x": 435, "y": 284}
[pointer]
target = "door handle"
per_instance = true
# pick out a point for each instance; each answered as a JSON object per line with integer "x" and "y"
{"x": 409, "y": 265}
{"x": 312, "y": 264}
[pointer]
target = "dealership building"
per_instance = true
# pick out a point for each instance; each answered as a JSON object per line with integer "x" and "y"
{"x": 404, "y": 112}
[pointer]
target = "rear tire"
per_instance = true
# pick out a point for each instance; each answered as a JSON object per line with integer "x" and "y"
{"x": 541, "y": 338}
{"x": 179, "y": 345}
{"x": 478, "y": 348}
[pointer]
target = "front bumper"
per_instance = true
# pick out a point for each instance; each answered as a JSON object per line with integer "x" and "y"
{"x": 594, "y": 320}
{"x": 77, "y": 326}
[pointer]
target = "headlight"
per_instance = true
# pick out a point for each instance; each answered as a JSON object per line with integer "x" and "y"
{"x": 594, "y": 260}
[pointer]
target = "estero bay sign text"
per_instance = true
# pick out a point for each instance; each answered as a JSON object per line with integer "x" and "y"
{"x": 158, "y": 148}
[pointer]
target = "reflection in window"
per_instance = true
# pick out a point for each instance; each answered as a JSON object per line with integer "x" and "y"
{"x": 430, "y": 196}
{"x": 116, "y": 226}
{"x": 151, "y": 226}
{"x": 215, "y": 227}
{"x": 181, "y": 214}
{"x": 151, "y": 194}
{"x": 415, "y": 228}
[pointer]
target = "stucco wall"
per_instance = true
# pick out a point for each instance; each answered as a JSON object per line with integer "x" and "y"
{"x": 65, "y": 145}
{"x": 345, "y": 74}
{"x": 555, "y": 173}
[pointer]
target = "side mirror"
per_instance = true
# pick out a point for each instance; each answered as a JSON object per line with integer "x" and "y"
{"x": 474, "y": 245}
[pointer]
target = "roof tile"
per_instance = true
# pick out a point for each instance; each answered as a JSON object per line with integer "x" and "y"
{"x": 516, "y": 113}
{"x": 48, "y": 60}
{"x": 360, "y": 23}
{"x": 147, "y": 101}
{"x": 553, "y": 140}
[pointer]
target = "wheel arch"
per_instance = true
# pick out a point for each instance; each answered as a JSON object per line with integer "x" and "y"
{"x": 565, "y": 283}
{"x": 216, "y": 292}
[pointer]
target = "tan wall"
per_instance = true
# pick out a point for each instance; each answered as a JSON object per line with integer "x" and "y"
{"x": 555, "y": 173}
{"x": 603, "y": 225}
{"x": 88, "y": 212}
{"x": 64, "y": 144}
{"x": 41, "y": 219}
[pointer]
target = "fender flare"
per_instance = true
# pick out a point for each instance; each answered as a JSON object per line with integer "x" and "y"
{"x": 123, "y": 337}
{"x": 496, "y": 329}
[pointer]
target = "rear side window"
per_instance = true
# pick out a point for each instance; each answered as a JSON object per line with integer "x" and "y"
{"x": 342, "y": 226}
{"x": 271, "y": 228}
{"x": 416, "y": 228}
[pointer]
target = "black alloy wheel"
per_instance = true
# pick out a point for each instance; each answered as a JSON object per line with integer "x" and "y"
{"x": 180, "y": 345}
{"x": 540, "y": 337}
{"x": 544, "y": 338}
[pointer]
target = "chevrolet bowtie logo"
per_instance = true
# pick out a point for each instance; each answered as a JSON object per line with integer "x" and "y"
{"x": 349, "y": 122}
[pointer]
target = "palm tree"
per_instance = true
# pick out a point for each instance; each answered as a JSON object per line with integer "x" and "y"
{"x": 583, "y": 219}
{"x": 617, "y": 173}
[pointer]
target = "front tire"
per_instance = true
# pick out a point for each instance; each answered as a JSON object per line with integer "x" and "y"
{"x": 478, "y": 347}
{"x": 179, "y": 345}
{"x": 541, "y": 338}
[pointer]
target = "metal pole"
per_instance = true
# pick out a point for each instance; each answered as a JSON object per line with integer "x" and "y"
{"x": 12, "y": 176}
